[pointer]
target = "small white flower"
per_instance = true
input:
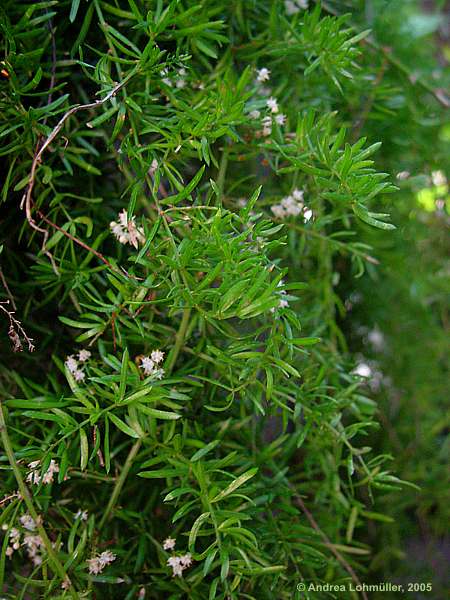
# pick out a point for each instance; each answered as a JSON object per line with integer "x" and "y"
{"x": 262, "y": 75}
{"x": 438, "y": 178}
{"x": 363, "y": 370}
{"x": 9, "y": 551}
{"x": 177, "y": 568}
{"x": 182, "y": 72}
{"x": 153, "y": 167}
{"x": 280, "y": 119}
{"x": 272, "y": 104}
{"x": 254, "y": 114}
{"x": 71, "y": 364}
{"x": 34, "y": 476}
{"x": 402, "y": 175}
{"x": 278, "y": 211}
{"x": 292, "y": 7}
{"x": 81, "y": 514}
{"x": 167, "y": 81}
{"x": 308, "y": 214}
{"x": 27, "y": 522}
{"x": 293, "y": 209}
{"x": 107, "y": 557}
{"x": 376, "y": 339}
{"x": 298, "y": 194}
{"x": 32, "y": 544}
{"x": 147, "y": 365}
{"x": 169, "y": 543}
{"x": 84, "y": 355}
{"x": 179, "y": 564}
{"x": 186, "y": 560}
{"x": 99, "y": 562}
{"x": 180, "y": 83}
{"x": 126, "y": 231}
{"x": 78, "y": 375}
{"x": 157, "y": 356}
{"x": 159, "y": 373}
{"x": 14, "y": 537}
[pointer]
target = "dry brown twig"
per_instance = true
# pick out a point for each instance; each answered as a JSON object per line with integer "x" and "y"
{"x": 27, "y": 200}
{"x": 16, "y": 330}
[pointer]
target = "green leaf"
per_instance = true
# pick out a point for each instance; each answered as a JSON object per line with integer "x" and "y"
{"x": 122, "y": 426}
{"x": 74, "y": 10}
{"x": 187, "y": 190}
{"x": 362, "y": 212}
{"x": 158, "y": 414}
{"x": 203, "y": 451}
{"x": 162, "y": 473}
{"x": 123, "y": 375}
{"x": 84, "y": 449}
{"x": 235, "y": 484}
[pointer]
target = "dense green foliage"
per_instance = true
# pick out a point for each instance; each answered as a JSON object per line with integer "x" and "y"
{"x": 282, "y": 244}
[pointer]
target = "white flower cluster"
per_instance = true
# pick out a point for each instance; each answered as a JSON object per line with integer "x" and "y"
{"x": 14, "y": 540}
{"x": 149, "y": 364}
{"x": 34, "y": 476}
{"x": 263, "y": 75}
{"x": 30, "y": 541}
{"x": 126, "y": 230}
{"x": 74, "y": 366}
{"x": 178, "y": 78}
{"x": 177, "y": 563}
{"x": 292, "y": 7}
{"x": 292, "y": 206}
{"x": 99, "y": 562}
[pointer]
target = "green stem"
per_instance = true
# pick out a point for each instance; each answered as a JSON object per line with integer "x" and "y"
{"x": 179, "y": 340}
{"x": 27, "y": 497}
{"x": 222, "y": 171}
{"x": 120, "y": 482}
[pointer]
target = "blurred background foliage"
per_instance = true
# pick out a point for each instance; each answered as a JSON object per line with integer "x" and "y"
{"x": 377, "y": 298}
{"x": 399, "y": 316}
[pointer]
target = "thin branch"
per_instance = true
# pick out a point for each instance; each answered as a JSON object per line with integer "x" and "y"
{"x": 76, "y": 240}
{"x": 345, "y": 247}
{"x": 7, "y": 290}
{"x": 120, "y": 482}
{"x": 179, "y": 340}
{"x": 26, "y": 495}
{"x": 328, "y": 543}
